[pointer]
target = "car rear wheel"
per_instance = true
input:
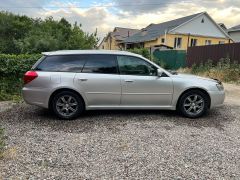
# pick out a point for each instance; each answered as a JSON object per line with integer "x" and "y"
{"x": 67, "y": 105}
{"x": 193, "y": 104}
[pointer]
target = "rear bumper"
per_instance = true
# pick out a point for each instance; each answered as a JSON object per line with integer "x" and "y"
{"x": 217, "y": 98}
{"x": 36, "y": 96}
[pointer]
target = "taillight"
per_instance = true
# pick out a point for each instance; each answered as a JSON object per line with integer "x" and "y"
{"x": 29, "y": 76}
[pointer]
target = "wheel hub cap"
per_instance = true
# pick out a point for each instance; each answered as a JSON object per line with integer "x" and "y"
{"x": 194, "y": 104}
{"x": 66, "y": 105}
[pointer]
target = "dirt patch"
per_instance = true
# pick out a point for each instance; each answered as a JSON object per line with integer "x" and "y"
{"x": 4, "y": 105}
{"x": 232, "y": 94}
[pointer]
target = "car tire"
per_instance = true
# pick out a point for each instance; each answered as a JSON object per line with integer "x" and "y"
{"x": 67, "y": 105}
{"x": 193, "y": 104}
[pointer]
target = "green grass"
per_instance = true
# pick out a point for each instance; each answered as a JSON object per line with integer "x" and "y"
{"x": 2, "y": 142}
{"x": 10, "y": 89}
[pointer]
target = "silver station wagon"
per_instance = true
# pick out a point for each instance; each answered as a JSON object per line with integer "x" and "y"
{"x": 70, "y": 82}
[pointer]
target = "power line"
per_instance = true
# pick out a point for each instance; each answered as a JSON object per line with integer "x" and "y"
{"x": 65, "y": 7}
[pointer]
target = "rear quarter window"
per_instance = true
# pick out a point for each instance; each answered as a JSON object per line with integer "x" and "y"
{"x": 63, "y": 63}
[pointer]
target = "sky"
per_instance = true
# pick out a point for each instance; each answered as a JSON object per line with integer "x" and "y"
{"x": 104, "y": 15}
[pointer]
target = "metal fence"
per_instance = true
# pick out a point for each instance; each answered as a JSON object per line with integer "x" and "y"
{"x": 202, "y": 54}
{"x": 170, "y": 59}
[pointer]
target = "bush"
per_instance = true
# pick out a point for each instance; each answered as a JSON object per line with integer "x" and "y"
{"x": 142, "y": 51}
{"x": 16, "y": 65}
{"x": 12, "y": 69}
{"x": 225, "y": 70}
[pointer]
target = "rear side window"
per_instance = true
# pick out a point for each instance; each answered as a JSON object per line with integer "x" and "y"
{"x": 100, "y": 63}
{"x": 65, "y": 63}
{"x": 38, "y": 62}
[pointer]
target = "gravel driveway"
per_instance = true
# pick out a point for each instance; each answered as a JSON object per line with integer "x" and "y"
{"x": 122, "y": 144}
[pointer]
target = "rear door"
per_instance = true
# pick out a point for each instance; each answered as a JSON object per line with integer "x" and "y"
{"x": 100, "y": 80}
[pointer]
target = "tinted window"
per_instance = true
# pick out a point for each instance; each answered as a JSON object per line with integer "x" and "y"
{"x": 100, "y": 63}
{"x": 38, "y": 62}
{"x": 65, "y": 63}
{"x": 130, "y": 65}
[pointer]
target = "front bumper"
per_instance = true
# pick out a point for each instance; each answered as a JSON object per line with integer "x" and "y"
{"x": 217, "y": 98}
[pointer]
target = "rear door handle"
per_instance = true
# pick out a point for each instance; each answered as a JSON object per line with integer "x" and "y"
{"x": 82, "y": 79}
{"x": 128, "y": 80}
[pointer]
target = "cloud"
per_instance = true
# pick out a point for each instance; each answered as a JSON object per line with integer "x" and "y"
{"x": 142, "y": 6}
{"x": 125, "y": 13}
{"x": 23, "y": 6}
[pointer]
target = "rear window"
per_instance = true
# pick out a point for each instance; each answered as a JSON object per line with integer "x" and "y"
{"x": 101, "y": 63}
{"x": 64, "y": 63}
{"x": 38, "y": 62}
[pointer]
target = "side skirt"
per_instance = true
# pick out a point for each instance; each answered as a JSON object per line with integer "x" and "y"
{"x": 130, "y": 107}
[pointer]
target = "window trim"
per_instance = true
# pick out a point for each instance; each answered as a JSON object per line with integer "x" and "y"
{"x": 85, "y": 61}
{"x": 141, "y": 60}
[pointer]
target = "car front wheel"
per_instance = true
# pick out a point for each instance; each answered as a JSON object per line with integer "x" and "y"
{"x": 193, "y": 104}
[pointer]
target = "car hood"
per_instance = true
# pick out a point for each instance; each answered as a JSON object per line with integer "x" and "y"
{"x": 192, "y": 77}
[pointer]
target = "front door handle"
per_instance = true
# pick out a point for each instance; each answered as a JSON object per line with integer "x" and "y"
{"x": 82, "y": 79}
{"x": 128, "y": 80}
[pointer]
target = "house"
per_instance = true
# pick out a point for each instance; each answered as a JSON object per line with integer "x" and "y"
{"x": 194, "y": 30}
{"x": 234, "y": 33}
{"x": 113, "y": 40}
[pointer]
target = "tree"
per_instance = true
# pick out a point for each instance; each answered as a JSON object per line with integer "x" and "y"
{"x": 80, "y": 40}
{"x": 12, "y": 28}
{"x": 21, "y": 34}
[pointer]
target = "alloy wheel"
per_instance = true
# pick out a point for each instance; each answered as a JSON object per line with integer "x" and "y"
{"x": 66, "y": 105}
{"x": 194, "y": 104}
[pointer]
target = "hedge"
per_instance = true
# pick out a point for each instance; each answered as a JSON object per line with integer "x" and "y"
{"x": 12, "y": 69}
{"x": 16, "y": 65}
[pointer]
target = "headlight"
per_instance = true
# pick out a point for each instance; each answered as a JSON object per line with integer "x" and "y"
{"x": 220, "y": 87}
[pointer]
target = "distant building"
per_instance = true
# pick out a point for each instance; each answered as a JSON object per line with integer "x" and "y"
{"x": 113, "y": 40}
{"x": 234, "y": 33}
{"x": 194, "y": 30}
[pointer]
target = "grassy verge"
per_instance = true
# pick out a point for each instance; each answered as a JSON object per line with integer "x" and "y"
{"x": 2, "y": 142}
{"x": 223, "y": 71}
{"x": 10, "y": 89}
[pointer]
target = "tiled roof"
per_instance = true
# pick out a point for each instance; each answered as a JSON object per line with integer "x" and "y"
{"x": 120, "y": 33}
{"x": 235, "y": 28}
{"x": 153, "y": 31}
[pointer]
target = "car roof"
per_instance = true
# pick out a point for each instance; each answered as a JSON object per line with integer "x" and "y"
{"x": 74, "y": 52}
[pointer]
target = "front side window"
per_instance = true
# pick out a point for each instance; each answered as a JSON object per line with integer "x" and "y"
{"x": 129, "y": 65}
{"x": 61, "y": 63}
{"x": 100, "y": 63}
{"x": 177, "y": 43}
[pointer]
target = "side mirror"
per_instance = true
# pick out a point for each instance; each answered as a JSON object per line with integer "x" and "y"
{"x": 159, "y": 72}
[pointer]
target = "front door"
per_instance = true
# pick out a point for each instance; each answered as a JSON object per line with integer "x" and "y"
{"x": 140, "y": 84}
{"x": 100, "y": 81}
